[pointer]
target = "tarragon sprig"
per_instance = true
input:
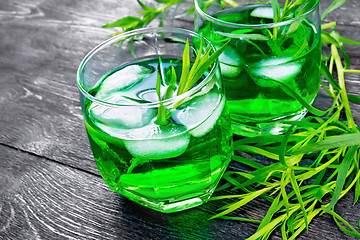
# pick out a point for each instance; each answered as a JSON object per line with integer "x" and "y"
{"x": 191, "y": 73}
{"x": 149, "y": 14}
{"x": 316, "y": 162}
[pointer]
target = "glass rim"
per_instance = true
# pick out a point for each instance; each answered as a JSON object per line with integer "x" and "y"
{"x": 135, "y": 32}
{"x": 253, "y": 26}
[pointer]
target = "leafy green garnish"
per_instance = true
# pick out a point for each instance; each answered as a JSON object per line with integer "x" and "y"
{"x": 148, "y": 15}
{"x": 191, "y": 73}
{"x": 163, "y": 112}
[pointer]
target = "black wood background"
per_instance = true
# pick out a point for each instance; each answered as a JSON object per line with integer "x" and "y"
{"x": 49, "y": 184}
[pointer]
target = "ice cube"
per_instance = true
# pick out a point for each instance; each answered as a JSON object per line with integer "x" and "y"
{"x": 230, "y": 62}
{"x": 229, "y": 71}
{"x": 204, "y": 110}
{"x": 124, "y": 79}
{"x": 230, "y": 56}
{"x": 158, "y": 142}
{"x": 274, "y": 69}
{"x": 120, "y": 117}
{"x": 272, "y": 61}
{"x": 263, "y": 12}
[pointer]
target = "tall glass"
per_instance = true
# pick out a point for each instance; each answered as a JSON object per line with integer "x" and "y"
{"x": 167, "y": 165}
{"x": 267, "y": 65}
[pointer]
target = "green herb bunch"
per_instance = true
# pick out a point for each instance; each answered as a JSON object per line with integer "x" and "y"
{"x": 190, "y": 75}
{"x": 314, "y": 164}
{"x": 148, "y": 15}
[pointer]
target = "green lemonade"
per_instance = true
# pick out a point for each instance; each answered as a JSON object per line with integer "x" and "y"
{"x": 255, "y": 61}
{"x": 157, "y": 165}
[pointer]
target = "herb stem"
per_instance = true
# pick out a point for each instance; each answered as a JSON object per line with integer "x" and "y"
{"x": 351, "y": 71}
{"x": 231, "y": 3}
{"x": 341, "y": 79}
{"x": 328, "y": 25}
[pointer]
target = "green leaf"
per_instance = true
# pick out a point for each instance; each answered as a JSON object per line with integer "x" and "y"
{"x": 249, "y": 36}
{"x": 203, "y": 65}
{"x": 322, "y": 191}
{"x": 346, "y": 140}
{"x": 283, "y": 183}
{"x": 310, "y": 216}
{"x": 191, "y": 10}
{"x": 301, "y": 49}
{"x": 136, "y": 162}
{"x": 310, "y": 4}
{"x": 267, "y": 228}
{"x": 292, "y": 93}
{"x": 276, "y": 10}
{"x": 298, "y": 195}
{"x": 334, "y": 5}
{"x": 284, "y": 145}
{"x": 341, "y": 177}
{"x": 162, "y": 115}
{"x": 235, "y": 181}
{"x": 326, "y": 38}
{"x": 270, "y": 139}
{"x": 328, "y": 25}
{"x": 240, "y": 219}
{"x": 248, "y": 197}
{"x": 357, "y": 189}
{"x": 275, "y": 206}
{"x": 172, "y": 85}
{"x": 336, "y": 217}
{"x": 353, "y": 98}
{"x": 346, "y": 57}
{"x": 247, "y": 162}
{"x": 326, "y": 73}
{"x": 145, "y": 7}
{"x": 185, "y": 68}
{"x": 348, "y": 41}
{"x": 126, "y": 22}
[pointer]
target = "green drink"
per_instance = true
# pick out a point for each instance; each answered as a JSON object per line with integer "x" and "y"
{"x": 170, "y": 166}
{"x": 262, "y": 62}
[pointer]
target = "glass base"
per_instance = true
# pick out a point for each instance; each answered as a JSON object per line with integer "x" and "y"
{"x": 174, "y": 205}
{"x": 274, "y": 127}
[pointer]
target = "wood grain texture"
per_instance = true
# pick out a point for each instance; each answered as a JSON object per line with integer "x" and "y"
{"x": 346, "y": 15}
{"x": 49, "y": 184}
{"x": 44, "y": 200}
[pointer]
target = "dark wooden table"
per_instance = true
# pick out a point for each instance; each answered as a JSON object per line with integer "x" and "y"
{"x": 49, "y": 184}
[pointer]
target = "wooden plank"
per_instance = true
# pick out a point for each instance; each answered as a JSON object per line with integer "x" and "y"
{"x": 38, "y": 93}
{"x": 347, "y": 14}
{"x": 40, "y": 199}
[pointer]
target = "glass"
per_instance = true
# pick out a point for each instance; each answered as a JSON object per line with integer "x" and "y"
{"x": 266, "y": 64}
{"x": 167, "y": 167}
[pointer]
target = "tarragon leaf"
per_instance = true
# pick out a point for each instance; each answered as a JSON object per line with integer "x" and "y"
{"x": 292, "y": 93}
{"x": 354, "y": 98}
{"x": 346, "y": 140}
{"x": 145, "y": 7}
{"x": 246, "y": 36}
{"x": 326, "y": 73}
{"x": 335, "y": 4}
{"x": 340, "y": 180}
{"x": 126, "y": 22}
